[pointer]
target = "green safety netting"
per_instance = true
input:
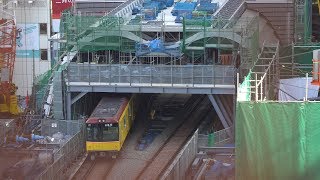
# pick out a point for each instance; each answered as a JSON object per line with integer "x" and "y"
{"x": 277, "y": 141}
{"x": 244, "y": 91}
{"x": 41, "y": 84}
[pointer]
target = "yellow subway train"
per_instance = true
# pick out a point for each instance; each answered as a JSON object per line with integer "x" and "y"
{"x": 109, "y": 124}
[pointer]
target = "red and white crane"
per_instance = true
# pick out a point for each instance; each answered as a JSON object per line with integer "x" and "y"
{"x": 8, "y": 99}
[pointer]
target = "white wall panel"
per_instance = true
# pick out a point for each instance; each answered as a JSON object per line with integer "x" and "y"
{"x": 24, "y": 67}
{"x": 23, "y": 73}
{"x": 44, "y": 41}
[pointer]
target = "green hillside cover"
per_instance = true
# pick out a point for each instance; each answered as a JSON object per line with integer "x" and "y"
{"x": 278, "y": 140}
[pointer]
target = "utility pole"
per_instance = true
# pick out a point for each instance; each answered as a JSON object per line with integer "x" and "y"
{"x": 33, "y": 82}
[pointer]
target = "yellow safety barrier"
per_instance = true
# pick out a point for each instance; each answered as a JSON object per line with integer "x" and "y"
{"x": 3, "y": 104}
{"x": 14, "y": 105}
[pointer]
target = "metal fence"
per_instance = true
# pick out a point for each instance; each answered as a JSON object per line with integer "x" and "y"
{"x": 6, "y": 126}
{"x": 179, "y": 166}
{"x": 219, "y": 137}
{"x": 136, "y": 75}
{"x": 68, "y": 151}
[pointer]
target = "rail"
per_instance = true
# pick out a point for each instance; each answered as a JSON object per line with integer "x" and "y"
{"x": 220, "y": 137}
{"x": 65, "y": 155}
{"x": 122, "y": 6}
{"x": 181, "y": 162}
{"x": 194, "y": 114}
{"x": 263, "y": 76}
{"x": 236, "y": 15}
{"x": 135, "y": 75}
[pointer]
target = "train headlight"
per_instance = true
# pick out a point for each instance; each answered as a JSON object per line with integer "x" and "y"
{"x": 108, "y": 125}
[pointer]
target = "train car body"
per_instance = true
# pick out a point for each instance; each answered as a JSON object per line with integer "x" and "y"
{"x": 110, "y": 123}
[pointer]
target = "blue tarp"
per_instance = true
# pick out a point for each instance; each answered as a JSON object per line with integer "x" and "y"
{"x": 156, "y": 45}
{"x": 208, "y": 7}
{"x": 183, "y": 8}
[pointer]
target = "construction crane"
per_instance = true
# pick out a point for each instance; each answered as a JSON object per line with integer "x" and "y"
{"x": 319, "y": 6}
{"x": 8, "y": 99}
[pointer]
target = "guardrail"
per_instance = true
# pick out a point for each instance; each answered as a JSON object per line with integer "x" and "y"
{"x": 178, "y": 168}
{"x": 65, "y": 155}
{"x": 218, "y": 136}
{"x": 6, "y": 127}
{"x": 135, "y": 75}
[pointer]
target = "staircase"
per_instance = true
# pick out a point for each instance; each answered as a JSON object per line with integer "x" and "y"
{"x": 265, "y": 73}
{"x": 57, "y": 108}
{"x": 229, "y": 9}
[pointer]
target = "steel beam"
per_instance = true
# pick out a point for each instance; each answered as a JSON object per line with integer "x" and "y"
{"x": 220, "y": 114}
{"x": 226, "y": 101}
{"x": 75, "y": 99}
{"x": 222, "y": 107}
{"x": 151, "y": 89}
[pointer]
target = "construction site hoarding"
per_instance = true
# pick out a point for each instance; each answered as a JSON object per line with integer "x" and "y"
{"x": 277, "y": 140}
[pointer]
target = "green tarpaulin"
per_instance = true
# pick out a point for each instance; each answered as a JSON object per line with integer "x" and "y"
{"x": 278, "y": 141}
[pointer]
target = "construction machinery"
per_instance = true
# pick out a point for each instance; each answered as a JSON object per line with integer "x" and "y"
{"x": 8, "y": 99}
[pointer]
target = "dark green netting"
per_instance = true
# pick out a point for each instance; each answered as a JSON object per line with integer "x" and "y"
{"x": 41, "y": 84}
{"x": 277, "y": 140}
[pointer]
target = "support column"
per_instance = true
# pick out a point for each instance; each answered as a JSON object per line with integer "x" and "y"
{"x": 80, "y": 95}
{"x": 222, "y": 109}
{"x": 220, "y": 114}
{"x": 68, "y": 104}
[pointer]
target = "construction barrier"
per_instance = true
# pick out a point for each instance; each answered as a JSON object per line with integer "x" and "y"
{"x": 277, "y": 140}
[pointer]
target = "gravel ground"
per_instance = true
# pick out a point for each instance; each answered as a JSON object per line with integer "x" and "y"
{"x": 131, "y": 161}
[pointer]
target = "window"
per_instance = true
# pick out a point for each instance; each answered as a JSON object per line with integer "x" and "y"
{"x": 44, "y": 54}
{"x": 102, "y": 132}
{"x": 43, "y": 28}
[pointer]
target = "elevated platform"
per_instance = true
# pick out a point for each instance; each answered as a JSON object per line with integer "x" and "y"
{"x": 182, "y": 79}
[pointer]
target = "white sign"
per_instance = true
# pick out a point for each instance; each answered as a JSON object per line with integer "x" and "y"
{"x": 28, "y": 40}
{"x": 28, "y": 37}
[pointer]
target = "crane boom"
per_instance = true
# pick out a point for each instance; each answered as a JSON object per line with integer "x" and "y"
{"x": 8, "y": 99}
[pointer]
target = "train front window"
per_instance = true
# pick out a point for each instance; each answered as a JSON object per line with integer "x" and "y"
{"x": 102, "y": 132}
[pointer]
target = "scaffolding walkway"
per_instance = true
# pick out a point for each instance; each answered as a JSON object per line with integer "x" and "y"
{"x": 184, "y": 79}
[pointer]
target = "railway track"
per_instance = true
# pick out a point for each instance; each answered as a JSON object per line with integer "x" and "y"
{"x": 94, "y": 169}
{"x": 195, "y": 113}
{"x": 147, "y": 164}
{"x": 101, "y": 167}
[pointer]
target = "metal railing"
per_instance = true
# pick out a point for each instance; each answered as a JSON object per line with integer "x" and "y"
{"x": 220, "y": 137}
{"x": 182, "y": 161}
{"x": 69, "y": 150}
{"x": 6, "y": 127}
{"x": 163, "y": 75}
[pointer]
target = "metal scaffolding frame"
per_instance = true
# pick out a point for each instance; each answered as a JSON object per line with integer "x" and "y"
{"x": 113, "y": 54}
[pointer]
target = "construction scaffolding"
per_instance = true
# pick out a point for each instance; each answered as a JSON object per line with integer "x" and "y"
{"x": 303, "y": 21}
{"x": 8, "y": 99}
{"x": 117, "y": 40}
